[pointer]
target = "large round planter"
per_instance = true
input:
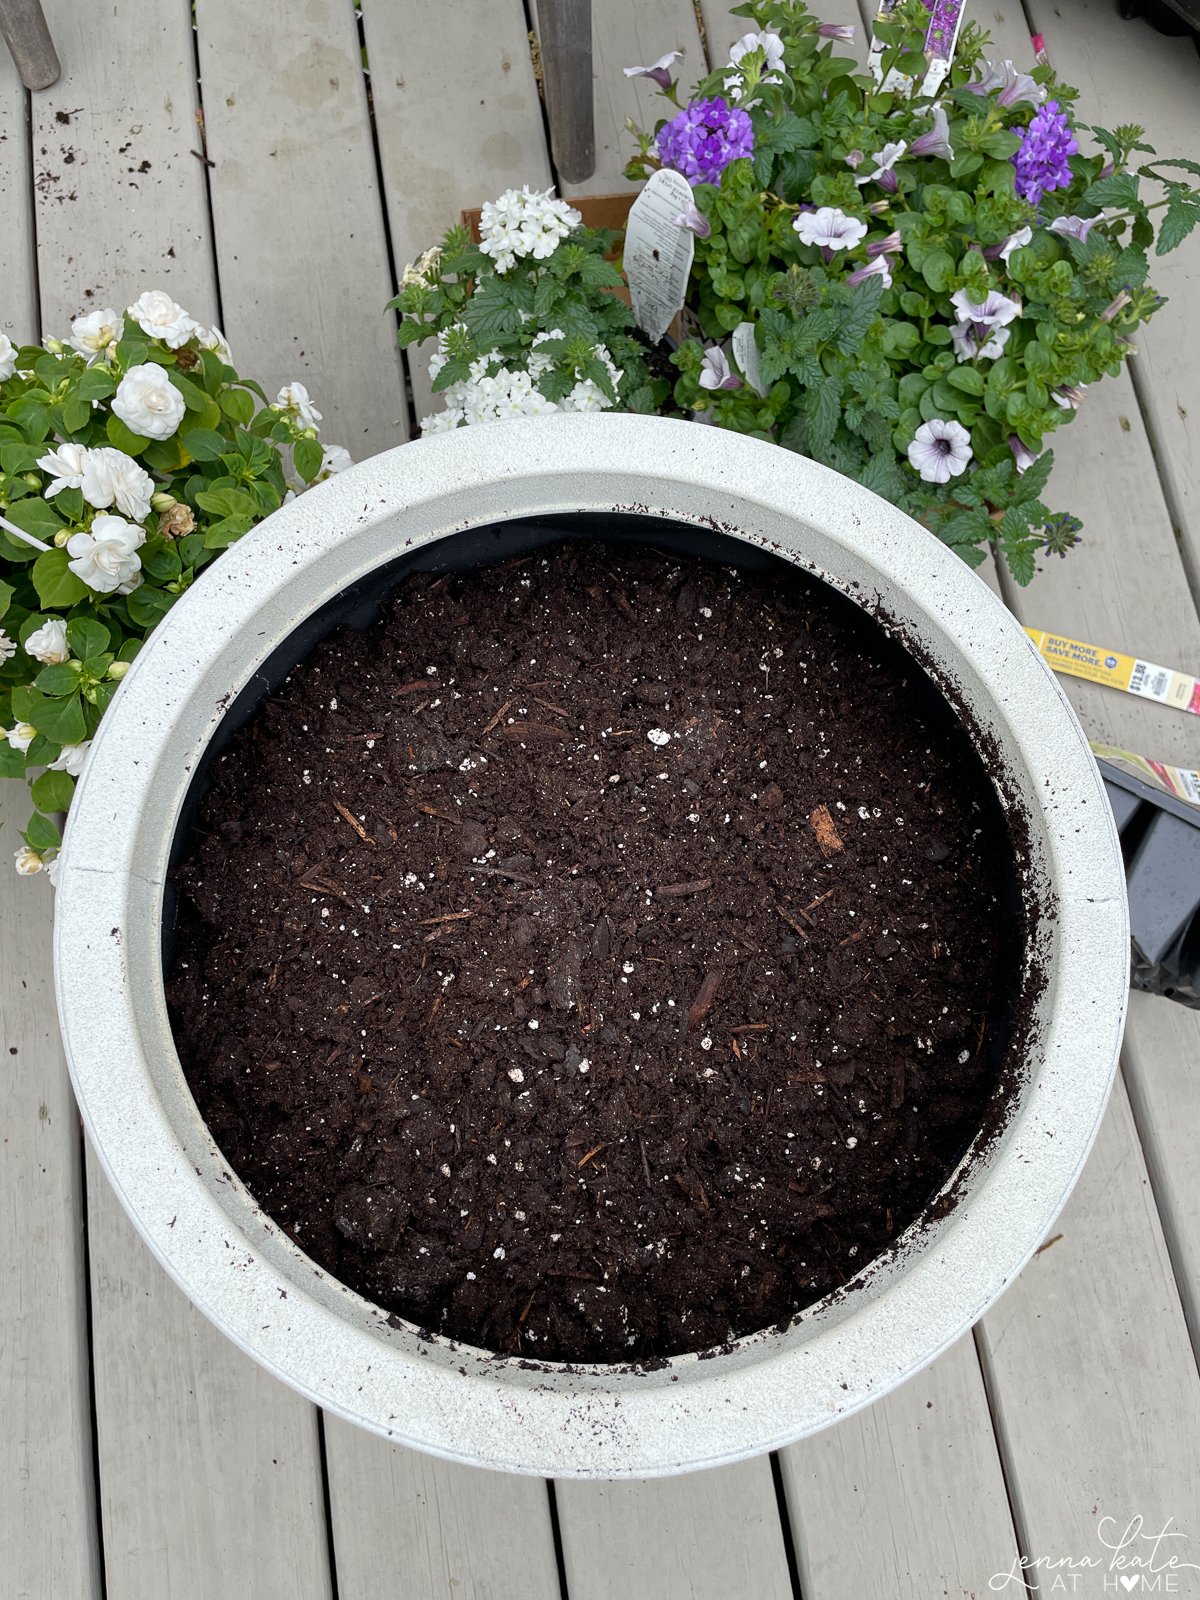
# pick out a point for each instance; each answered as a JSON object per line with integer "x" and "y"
{"x": 236, "y": 631}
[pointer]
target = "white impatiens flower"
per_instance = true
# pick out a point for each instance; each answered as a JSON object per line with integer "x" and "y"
{"x": 158, "y": 315}
{"x": 110, "y": 475}
{"x": 48, "y": 644}
{"x": 8, "y": 647}
{"x": 92, "y": 334}
{"x": 28, "y": 862}
{"x": 148, "y": 403}
{"x": 105, "y": 557}
{"x": 71, "y": 758}
{"x": 997, "y": 311}
{"x": 294, "y": 397}
{"x": 65, "y": 466}
{"x": 21, "y": 736}
{"x": 525, "y": 222}
{"x": 940, "y": 450}
{"x": 830, "y": 228}
{"x": 213, "y": 339}
{"x": 336, "y": 459}
{"x": 8, "y": 357}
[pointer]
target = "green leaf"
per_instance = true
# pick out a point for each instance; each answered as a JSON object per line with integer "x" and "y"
{"x": 6, "y": 593}
{"x": 41, "y": 834}
{"x": 53, "y": 791}
{"x": 1182, "y": 215}
{"x": 58, "y": 680}
{"x": 97, "y": 383}
{"x": 308, "y": 455}
{"x": 160, "y": 560}
{"x": 36, "y": 516}
{"x": 124, "y": 438}
{"x": 966, "y": 378}
{"x": 87, "y": 637}
{"x": 1118, "y": 189}
{"x": 56, "y": 585}
{"x": 204, "y": 444}
{"x": 194, "y": 397}
{"x": 238, "y": 405}
{"x": 147, "y": 606}
{"x": 12, "y": 762}
{"x": 938, "y": 270}
{"x": 60, "y": 720}
{"x": 76, "y": 414}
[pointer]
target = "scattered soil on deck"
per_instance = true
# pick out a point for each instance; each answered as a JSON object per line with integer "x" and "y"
{"x": 602, "y": 956}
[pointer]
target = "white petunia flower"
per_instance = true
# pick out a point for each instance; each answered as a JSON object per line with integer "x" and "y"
{"x": 830, "y": 228}
{"x": 1018, "y": 241}
{"x": 659, "y": 71}
{"x": 71, "y": 758}
{"x": 28, "y": 862}
{"x": 1069, "y": 396}
{"x": 940, "y": 450}
{"x": 8, "y": 357}
{"x": 110, "y": 475}
{"x": 937, "y": 141}
{"x": 21, "y": 736}
{"x": 1022, "y": 454}
{"x": 771, "y": 46}
{"x": 48, "y": 644}
{"x": 1076, "y": 227}
{"x": 336, "y": 459}
{"x": 884, "y": 160}
{"x": 997, "y": 311}
{"x": 294, "y": 397}
{"x": 148, "y": 403}
{"x": 975, "y": 343}
{"x": 92, "y": 334}
{"x": 158, "y": 315}
{"x": 715, "y": 371}
{"x": 50, "y": 868}
{"x": 65, "y": 466}
{"x": 524, "y": 223}
{"x": 105, "y": 557}
{"x": 8, "y": 647}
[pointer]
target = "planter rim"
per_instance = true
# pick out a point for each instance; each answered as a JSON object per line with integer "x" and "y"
{"x": 240, "y": 1269}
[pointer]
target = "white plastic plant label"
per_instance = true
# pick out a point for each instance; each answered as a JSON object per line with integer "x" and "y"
{"x": 658, "y": 252}
{"x": 745, "y": 352}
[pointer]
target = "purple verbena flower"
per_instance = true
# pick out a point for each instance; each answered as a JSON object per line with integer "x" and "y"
{"x": 1043, "y": 161}
{"x": 704, "y": 138}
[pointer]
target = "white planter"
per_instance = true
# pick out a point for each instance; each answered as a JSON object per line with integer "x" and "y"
{"x": 330, "y": 1343}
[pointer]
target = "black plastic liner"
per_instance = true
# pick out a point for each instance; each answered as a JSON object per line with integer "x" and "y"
{"x": 1160, "y": 841}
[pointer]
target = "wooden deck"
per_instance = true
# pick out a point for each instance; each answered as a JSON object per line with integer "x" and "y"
{"x": 141, "y": 1456}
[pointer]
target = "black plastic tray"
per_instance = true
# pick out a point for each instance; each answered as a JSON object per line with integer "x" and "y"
{"x": 1160, "y": 841}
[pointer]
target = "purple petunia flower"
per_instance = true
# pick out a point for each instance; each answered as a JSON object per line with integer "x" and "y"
{"x": 702, "y": 140}
{"x": 1043, "y": 161}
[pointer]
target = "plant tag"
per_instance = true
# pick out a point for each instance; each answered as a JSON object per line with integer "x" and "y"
{"x": 745, "y": 352}
{"x": 1117, "y": 671}
{"x": 658, "y": 252}
{"x": 1180, "y": 782}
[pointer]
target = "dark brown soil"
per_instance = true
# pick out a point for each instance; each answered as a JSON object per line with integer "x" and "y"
{"x": 603, "y": 956}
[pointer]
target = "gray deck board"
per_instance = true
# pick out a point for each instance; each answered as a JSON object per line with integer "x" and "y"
{"x": 1080, "y": 1390}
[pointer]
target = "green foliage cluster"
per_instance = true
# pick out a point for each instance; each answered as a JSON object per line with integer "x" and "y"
{"x": 851, "y": 370}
